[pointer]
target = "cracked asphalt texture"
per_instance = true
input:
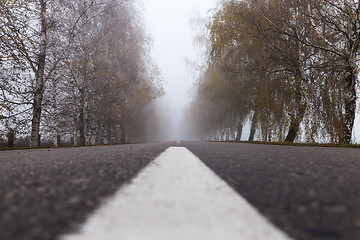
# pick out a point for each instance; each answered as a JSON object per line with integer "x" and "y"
{"x": 311, "y": 193}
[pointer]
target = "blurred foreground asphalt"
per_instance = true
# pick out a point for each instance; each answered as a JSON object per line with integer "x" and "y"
{"x": 311, "y": 193}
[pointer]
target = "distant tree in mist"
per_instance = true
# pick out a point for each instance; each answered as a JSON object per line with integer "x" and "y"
{"x": 289, "y": 67}
{"x": 79, "y": 70}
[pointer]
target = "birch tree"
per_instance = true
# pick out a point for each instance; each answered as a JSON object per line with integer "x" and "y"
{"x": 78, "y": 68}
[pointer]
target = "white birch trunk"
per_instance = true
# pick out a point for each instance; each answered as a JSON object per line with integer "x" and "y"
{"x": 39, "y": 78}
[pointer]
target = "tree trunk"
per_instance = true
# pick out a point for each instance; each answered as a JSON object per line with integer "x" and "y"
{"x": 298, "y": 116}
{"x": 350, "y": 107}
{"x": 81, "y": 118}
{"x": 55, "y": 138}
{"x": 123, "y": 138}
{"x": 253, "y": 127}
{"x": 295, "y": 123}
{"x": 74, "y": 139}
{"x": 239, "y": 131}
{"x": 265, "y": 134}
{"x": 82, "y": 126}
{"x": 293, "y": 130}
{"x": 108, "y": 135}
{"x": 58, "y": 139}
{"x": 123, "y": 135}
{"x": 11, "y": 138}
{"x": 39, "y": 78}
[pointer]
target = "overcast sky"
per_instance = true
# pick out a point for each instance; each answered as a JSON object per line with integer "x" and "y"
{"x": 169, "y": 23}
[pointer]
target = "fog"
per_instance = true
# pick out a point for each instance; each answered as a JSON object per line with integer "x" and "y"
{"x": 105, "y": 87}
{"x": 169, "y": 24}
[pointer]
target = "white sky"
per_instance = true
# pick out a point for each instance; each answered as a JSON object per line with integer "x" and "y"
{"x": 169, "y": 23}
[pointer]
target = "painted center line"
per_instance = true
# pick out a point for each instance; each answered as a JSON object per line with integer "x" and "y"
{"x": 177, "y": 197}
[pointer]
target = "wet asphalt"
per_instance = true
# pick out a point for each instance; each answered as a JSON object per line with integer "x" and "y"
{"x": 311, "y": 193}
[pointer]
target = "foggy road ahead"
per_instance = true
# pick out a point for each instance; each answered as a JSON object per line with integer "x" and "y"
{"x": 310, "y": 193}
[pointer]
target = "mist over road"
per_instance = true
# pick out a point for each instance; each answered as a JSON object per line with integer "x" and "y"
{"x": 310, "y": 193}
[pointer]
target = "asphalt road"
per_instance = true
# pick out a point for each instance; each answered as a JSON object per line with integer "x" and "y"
{"x": 45, "y": 192}
{"x": 311, "y": 193}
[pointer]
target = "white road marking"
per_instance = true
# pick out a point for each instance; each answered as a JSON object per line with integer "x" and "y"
{"x": 177, "y": 197}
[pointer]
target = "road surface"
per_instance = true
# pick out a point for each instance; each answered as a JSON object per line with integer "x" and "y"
{"x": 309, "y": 193}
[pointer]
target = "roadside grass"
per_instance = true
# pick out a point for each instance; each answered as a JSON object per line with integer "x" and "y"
{"x": 28, "y": 148}
{"x": 69, "y": 146}
{"x": 338, "y": 145}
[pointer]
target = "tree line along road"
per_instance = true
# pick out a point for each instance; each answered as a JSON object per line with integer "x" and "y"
{"x": 310, "y": 193}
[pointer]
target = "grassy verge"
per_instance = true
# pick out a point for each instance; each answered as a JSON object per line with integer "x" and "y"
{"x": 338, "y": 145}
{"x": 70, "y": 146}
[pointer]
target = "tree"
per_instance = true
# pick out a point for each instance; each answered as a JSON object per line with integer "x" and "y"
{"x": 289, "y": 65}
{"x": 336, "y": 29}
{"x": 75, "y": 74}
